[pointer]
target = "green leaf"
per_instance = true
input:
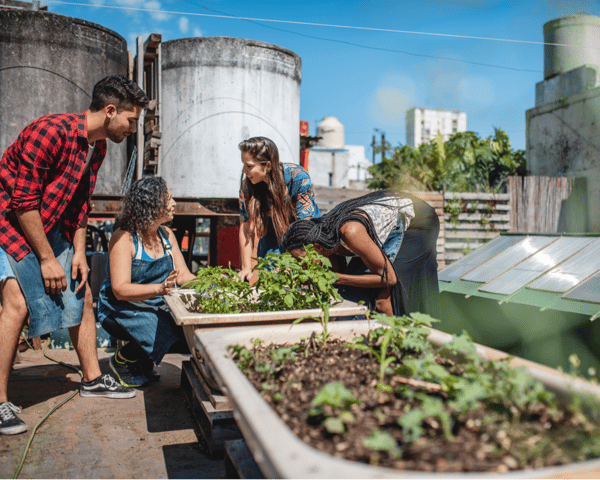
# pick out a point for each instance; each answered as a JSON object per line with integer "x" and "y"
{"x": 383, "y": 441}
{"x": 289, "y": 300}
{"x": 411, "y": 424}
{"x": 334, "y": 425}
{"x": 347, "y": 418}
{"x": 335, "y": 395}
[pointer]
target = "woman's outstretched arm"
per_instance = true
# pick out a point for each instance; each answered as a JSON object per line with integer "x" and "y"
{"x": 355, "y": 236}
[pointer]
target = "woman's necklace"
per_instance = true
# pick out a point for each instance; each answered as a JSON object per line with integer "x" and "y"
{"x": 152, "y": 244}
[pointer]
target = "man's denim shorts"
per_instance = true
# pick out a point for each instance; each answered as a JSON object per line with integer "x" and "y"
{"x": 49, "y": 312}
{"x": 6, "y": 270}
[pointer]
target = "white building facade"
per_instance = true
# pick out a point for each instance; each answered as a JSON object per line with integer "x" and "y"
{"x": 423, "y": 124}
{"x": 332, "y": 163}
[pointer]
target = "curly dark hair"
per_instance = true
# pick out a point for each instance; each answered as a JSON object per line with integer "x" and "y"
{"x": 145, "y": 202}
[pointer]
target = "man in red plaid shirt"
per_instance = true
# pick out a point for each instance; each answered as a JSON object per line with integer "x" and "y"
{"x": 47, "y": 177}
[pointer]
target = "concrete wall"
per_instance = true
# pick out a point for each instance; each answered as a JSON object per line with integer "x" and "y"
{"x": 563, "y": 139}
{"x": 50, "y": 63}
{"x": 569, "y": 83}
{"x": 328, "y": 167}
{"x": 357, "y": 164}
{"x": 218, "y": 91}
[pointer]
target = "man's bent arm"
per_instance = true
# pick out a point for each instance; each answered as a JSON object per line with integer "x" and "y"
{"x": 52, "y": 272}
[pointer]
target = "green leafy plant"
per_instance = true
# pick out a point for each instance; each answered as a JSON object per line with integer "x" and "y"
{"x": 463, "y": 163}
{"x": 266, "y": 363}
{"x": 336, "y": 397}
{"x": 220, "y": 291}
{"x": 284, "y": 283}
{"x": 383, "y": 441}
{"x": 381, "y": 353}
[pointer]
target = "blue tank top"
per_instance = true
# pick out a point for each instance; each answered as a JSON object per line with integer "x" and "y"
{"x": 139, "y": 245}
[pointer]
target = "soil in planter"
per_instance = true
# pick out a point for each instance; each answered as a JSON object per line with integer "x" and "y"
{"x": 492, "y": 435}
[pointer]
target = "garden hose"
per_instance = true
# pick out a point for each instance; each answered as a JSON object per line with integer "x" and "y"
{"x": 52, "y": 410}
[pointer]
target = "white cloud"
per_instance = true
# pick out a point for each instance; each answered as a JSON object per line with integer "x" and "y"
{"x": 197, "y": 32}
{"x": 476, "y": 90}
{"x": 184, "y": 24}
{"x": 154, "y": 5}
{"x": 390, "y": 101}
{"x": 451, "y": 88}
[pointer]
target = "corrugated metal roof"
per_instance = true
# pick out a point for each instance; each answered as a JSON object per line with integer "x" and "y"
{"x": 549, "y": 271}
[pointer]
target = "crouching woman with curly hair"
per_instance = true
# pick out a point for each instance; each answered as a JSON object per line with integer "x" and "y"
{"x": 145, "y": 263}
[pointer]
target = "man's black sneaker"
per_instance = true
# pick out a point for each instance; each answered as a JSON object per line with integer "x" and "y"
{"x": 10, "y": 424}
{"x": 105, "y": 386}
{"x": 129, "y": 373}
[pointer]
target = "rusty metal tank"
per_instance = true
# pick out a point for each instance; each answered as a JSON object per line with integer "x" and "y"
{"x": 216, "y": 92}
{"x": 50, "y": 63}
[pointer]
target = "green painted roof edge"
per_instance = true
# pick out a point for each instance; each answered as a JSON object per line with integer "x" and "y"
{"x": 544, "y": 300}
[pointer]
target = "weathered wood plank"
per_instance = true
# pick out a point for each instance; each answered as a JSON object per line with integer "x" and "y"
{"x": 477, "y": 196}
{"x": 470, "y": 234}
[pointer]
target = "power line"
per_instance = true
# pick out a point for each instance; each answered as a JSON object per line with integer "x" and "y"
{"x": 383, "y": 49}
{"x": 313, "y": 24}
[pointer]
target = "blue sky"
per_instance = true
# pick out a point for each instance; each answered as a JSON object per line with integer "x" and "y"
{"x": 368, "y": 79}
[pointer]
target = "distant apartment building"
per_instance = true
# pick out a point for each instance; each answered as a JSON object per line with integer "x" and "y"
{"x": 423, "y": 124}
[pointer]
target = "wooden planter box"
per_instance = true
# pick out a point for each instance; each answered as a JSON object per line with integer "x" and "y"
{"x": 280, "y": 454}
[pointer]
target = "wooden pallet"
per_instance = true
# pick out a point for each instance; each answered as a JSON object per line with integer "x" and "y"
{"x": 216, "y": 425}
{"x": 239, "y": 462}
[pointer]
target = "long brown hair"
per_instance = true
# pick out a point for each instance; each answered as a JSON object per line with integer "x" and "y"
{"x": 270, "y": 195}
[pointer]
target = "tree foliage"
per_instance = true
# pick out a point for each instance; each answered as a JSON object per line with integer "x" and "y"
{"x": 463, "y": 163}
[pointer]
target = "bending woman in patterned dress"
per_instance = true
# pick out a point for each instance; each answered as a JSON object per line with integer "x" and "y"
{"x": 392, "y": 239}
{"x": 272, "y": 195}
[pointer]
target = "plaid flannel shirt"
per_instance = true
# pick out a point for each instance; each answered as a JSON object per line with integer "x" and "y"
{"x": 43, "y": 170}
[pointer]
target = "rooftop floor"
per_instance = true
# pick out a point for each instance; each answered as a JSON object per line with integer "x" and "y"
{"x": 149, "y": 436}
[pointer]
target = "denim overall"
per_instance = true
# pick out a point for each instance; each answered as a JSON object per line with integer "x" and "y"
{"x": 149, "y": 322}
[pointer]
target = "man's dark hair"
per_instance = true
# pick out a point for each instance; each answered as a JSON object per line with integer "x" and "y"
{"x": 119, "y": 91}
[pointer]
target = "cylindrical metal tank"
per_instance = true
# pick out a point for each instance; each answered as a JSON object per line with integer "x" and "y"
{"x": 50, "y": 63}
{"x": 216, "y": 92}
{"x": 331, "y": 132}
{"x": 581, "y": 31}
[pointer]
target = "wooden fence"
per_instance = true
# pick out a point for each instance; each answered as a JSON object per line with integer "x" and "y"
{"x": 537, "y": 203}
{"x": 473, "y": 219}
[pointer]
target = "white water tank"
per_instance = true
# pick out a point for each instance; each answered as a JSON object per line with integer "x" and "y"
{"x": 218, "y": 91}
{"x": 50, "y": 63}
{"x": 331, "y": 132}
{"x": 581, "y": 34}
